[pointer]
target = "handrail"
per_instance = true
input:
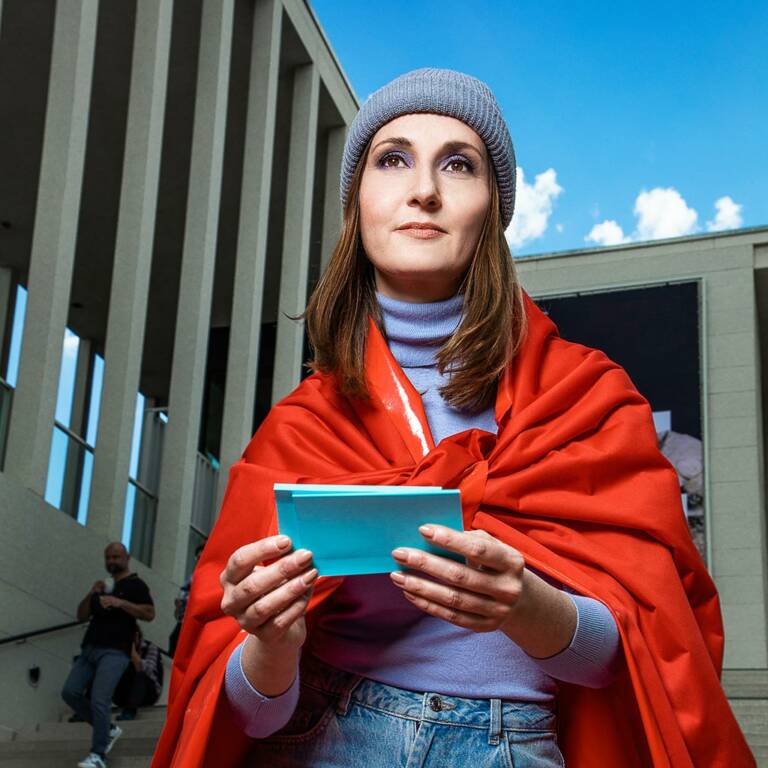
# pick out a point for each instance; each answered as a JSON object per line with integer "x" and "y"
{"x": 73, "y": 436}
{"x": 24, "y": 636}
{"x": 143, "y": 488}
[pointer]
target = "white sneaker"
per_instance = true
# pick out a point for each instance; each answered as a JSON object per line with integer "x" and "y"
{"x": 92, "y": 761}
{"x": 115, "y": 732}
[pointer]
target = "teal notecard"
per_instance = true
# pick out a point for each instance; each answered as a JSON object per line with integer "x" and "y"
{"x": 352, "y": 530}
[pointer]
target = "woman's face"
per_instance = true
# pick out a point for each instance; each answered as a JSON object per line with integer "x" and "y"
{"x": 430, "y": 170}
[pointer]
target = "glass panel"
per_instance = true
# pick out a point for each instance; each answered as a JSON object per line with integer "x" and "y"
{"x": 95, "y": 399}
{"x": 138, "y": 420}
{"x": 6, "y": 398}
{"x": 19, "y": 312}
{"x": 67, "y": 374}
{"x": 70, "y": 466}
{"x": 143, "y": 516}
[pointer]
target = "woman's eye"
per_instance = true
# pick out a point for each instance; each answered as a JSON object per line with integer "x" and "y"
{"x": 391, "y": 160}
{"x": 459, "y": 164}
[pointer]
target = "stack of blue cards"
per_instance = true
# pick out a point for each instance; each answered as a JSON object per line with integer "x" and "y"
{"x": 352, "y": 529}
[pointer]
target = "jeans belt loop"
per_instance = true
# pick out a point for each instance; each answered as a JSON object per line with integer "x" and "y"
{"x": 494, "y": 730}
{"x": 345, "y": 695}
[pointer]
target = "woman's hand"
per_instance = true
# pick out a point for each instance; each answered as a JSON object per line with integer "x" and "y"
{"x": 481, "y": 600}
{"x": 269, "y": 601}
{"x": 492, "y": 591}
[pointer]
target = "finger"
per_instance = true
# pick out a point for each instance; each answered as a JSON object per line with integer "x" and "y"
{"x": 277, "y": 625}
{"x": 478, "y": 546}
{"x": 243, "y": 560}
{"x": 459, "y": 618}
{"x": 275, "y": 603}
{"x": 503, "y": 587}
{"x": 450, "y": 597}
{"x": 265, "y": 579}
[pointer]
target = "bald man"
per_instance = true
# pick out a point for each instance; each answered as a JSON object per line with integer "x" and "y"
{"x": 106, "y": 648}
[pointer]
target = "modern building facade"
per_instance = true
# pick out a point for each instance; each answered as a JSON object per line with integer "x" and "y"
{"x": 169, "y": 194}
{"x": 687, "y": 319}
{"x": 168, "y": 197}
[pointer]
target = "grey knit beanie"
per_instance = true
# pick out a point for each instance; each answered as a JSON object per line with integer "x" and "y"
{"x": 442, "y": 92}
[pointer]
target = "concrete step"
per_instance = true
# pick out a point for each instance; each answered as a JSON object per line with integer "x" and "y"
{"x": 745, "y": 683}
{"x": 54, "y": 745}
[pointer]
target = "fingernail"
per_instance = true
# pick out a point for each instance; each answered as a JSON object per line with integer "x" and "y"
{"x": 303, "y": 556}
{"x": 309, "y": 576}
{"x": 427, "y": 531}
{"x": 397, "y": 577}
{"x": 283, "y": 542}
{"x": 399, "y": 554}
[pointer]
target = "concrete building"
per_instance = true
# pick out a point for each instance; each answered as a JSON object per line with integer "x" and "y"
{"x": 169, "y": 195}
{"x": 169, "y": 192}
{"x": 728, "y": 273}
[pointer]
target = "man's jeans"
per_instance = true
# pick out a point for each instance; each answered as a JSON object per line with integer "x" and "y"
{"x": 100, "y": 668}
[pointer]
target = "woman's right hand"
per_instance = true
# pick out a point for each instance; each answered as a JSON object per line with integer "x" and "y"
{"x": 269, "y": 601}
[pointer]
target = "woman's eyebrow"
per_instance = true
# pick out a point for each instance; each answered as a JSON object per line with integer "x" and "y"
{"x": 449, "y": 146}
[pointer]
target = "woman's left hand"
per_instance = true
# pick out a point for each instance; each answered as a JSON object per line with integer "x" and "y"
{"x": 481, "y": 595}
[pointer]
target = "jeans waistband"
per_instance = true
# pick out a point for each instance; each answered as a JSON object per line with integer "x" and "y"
{"x": 494, "y": 715}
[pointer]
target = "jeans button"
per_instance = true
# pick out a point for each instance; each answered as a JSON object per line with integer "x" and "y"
{"x": 435, "y": 703}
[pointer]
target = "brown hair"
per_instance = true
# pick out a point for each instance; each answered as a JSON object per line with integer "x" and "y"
{"x": 490, "y": 332}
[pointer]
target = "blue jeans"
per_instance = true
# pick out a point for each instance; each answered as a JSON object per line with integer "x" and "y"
{"x": 101, "y": 668}
{"x": 343, "y": 720}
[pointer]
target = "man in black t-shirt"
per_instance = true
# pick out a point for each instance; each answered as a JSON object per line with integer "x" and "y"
{"x": 113, "y": 604}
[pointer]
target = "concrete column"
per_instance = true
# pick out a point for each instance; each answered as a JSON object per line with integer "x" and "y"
{"x": 332, "y": 212}
{"x": 177, "y": 481}
{"x": 132, "y": 266}
{"x": 297, "y": 236}
{"x": 245, "y": 326}
{"x": 53, "y": 242}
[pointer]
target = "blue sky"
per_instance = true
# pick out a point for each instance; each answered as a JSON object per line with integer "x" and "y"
{"x": 631, "y": 121}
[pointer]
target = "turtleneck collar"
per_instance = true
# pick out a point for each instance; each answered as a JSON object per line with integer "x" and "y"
{"x": 416, "y": 332}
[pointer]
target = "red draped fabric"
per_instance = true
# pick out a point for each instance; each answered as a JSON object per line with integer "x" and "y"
{"x": 573, "y": 480}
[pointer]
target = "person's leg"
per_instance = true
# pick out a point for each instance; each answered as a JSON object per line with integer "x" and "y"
{"x": 110, "y": 665}
{"x": 76, "y": 685}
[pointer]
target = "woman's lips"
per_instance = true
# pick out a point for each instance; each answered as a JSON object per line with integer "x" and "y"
{"x": 420, "y": 234}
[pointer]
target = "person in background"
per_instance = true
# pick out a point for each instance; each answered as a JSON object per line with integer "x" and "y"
{"x": 142, "y": 681}
{"x": 180, "y": 605}
{"x": 113, "y": 605}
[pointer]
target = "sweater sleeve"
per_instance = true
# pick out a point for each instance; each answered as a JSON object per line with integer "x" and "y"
{"x": 257, "y": 715}
{"x": 591, "y": 658}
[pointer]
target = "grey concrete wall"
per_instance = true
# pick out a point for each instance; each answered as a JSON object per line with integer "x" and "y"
{"x": 731, "y": 400}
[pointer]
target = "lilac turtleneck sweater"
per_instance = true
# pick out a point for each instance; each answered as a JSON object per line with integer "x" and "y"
{"x": 369, "y": 628}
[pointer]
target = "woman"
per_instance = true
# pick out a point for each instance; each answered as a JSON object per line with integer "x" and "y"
{"x": 580, "y": 576}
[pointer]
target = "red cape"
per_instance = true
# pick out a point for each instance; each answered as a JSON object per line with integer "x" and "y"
{"x": 573, "y": 480}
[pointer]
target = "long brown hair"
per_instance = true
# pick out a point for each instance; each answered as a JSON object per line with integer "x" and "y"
{"x": 491, "y": 330}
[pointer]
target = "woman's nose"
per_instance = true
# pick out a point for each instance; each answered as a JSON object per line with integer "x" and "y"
{"x": 425, "y": 191}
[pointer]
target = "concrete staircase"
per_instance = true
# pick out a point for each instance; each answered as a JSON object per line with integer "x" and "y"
{"x": 62, "y": 745}
{"x": 747, "y": 691}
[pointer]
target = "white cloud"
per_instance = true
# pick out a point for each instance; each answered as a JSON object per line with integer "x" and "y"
{"x": 559, "y": 227}
{"x": 728, "y": 215}
{"x": 607, "y": 233}
{"x": 663, "y": 212}
{"x": 533, "y": 207}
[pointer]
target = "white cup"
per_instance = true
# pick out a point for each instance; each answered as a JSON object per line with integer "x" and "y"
{"x": 109, "y": 585}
